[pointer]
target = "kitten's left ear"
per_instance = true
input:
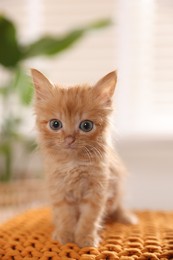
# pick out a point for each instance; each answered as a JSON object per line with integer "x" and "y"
{"x": 42, "y": 85}
{"x": 105, "y": 87}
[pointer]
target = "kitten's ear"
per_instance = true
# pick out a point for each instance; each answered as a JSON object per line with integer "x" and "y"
{"x": 42, "y": 85}
{"x": 104, "y": 88}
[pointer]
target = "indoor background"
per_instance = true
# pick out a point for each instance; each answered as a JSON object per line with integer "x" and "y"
{"x": 136, "y": 38}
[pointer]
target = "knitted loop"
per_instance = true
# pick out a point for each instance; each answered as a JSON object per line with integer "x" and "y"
{"x": 89, "y": 250}
{"x": 149, "y": 256}
{"x": 69, "y": 253}
{"x": 87, "y": 257}
{"x": 50, "y": 255}
{"x": 28, "y": 236}
{"x": 129, "y": 258}
{"x": 168, "y": 254}
{"x": 131, "y": 252}
{"x": 113, "y": 241}
{"x": 71, "y": 246}
{"x": 111, "y": 247}
{"x": 106, "y": 255}
{"x": 134, "y": 245}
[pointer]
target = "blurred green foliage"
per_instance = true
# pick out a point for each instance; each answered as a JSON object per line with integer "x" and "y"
{"x": 12, "y": 54}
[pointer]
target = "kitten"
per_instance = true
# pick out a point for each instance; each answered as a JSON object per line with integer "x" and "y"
{"x": 84, "y": 172}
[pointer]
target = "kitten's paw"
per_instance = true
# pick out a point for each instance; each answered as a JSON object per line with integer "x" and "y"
{"x": 86, "y": 240}
{"x": 132, "y": 219}
{"x": 63, "y": 237}
{"x": 127, "y": 217}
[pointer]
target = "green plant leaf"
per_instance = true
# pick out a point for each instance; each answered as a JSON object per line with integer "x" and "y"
{"x": 10, "y": 53}
{"x": 23, "y": 86}
{"x": 3, "y": 91}
{"x": 6, "y": 152}
{"x": 9, "y": 129}
{"x": 99, "y": 24}
{"x": 49, "y": 45}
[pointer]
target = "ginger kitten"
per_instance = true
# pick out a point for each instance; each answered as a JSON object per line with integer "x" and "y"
{"x": 84, "y": 172}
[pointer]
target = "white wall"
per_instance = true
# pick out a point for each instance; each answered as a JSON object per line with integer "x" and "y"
{"x": 150, "y": 165}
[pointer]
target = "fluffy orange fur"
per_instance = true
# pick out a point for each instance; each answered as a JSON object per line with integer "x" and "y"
{"x": 84, "y": 172}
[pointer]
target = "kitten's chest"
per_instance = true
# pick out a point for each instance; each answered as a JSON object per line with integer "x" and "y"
{"x": 77, "y": 186}
{"x": 74, "y": 184}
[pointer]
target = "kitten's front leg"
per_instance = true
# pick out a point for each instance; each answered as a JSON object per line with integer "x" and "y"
{"x": 65, "y": 219}
{"x": 86, "y": 233}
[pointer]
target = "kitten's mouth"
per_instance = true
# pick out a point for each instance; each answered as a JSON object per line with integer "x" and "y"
{"x": 69, "y": 147}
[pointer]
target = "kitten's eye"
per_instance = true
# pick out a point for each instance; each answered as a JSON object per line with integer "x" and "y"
{"x": 86, "y": 125}
{"x": 55, "y": 124}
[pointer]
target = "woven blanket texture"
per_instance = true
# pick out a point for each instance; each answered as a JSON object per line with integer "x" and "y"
{"x": 28, "y": 237}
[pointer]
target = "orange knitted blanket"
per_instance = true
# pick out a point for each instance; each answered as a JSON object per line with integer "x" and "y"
{"x": 28, "y": 237}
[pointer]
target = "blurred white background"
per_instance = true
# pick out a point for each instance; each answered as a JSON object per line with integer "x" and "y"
{"x": 140, "y": 46}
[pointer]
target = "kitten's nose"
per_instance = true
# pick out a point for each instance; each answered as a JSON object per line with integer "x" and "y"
{"x": 69, "y": 139}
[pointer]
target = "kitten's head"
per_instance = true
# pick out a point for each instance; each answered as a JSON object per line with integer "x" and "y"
{"x": 73, "y": 121}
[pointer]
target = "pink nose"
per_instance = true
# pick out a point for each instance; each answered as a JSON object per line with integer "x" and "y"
{"x": 69, "y": 140}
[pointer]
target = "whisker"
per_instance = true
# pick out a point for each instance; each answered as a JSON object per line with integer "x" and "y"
{"x": 96, "y": 151}
{"x": 88, "y": 153}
